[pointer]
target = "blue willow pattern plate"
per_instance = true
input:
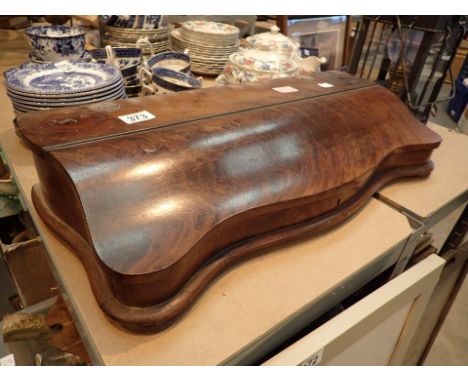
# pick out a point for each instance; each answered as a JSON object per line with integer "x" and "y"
{"x": 61, "y": 77}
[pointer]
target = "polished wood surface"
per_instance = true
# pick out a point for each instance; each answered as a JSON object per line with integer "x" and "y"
{"x": 51, "y": 129}
{"x": 157, "y": 212}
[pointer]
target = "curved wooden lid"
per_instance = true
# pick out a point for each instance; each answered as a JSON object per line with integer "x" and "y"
{"x": 149, "y": 197}
{"x": 51, "y": 129}
{"x": 218, "y": 166}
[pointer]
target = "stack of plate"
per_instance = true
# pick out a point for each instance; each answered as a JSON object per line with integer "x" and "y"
{"x": 127, "y": 38}
{"x": 209, "y": 44}
{"x": 34, "y": 87}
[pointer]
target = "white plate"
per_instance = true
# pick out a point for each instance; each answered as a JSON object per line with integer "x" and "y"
{"x": 205, "y": 51}
{"x": 204, "y": 44}
{"x": 175, "y": 34}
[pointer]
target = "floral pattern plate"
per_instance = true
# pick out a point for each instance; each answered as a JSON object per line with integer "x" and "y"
{"x": 210, "y": 27}
{"x": 62, "y": 77}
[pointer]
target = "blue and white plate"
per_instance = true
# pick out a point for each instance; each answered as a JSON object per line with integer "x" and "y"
{"x": 66, "y": 77}
{"x": 65, "y": 96}
{"x": 27, "y": 109}
{"x": 85, "y": 96}
{"x": 76, "y": 101}
{"x": 35, "y": 105}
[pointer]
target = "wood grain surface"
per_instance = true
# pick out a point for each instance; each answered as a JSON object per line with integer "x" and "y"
{"x": 156, "y": 210}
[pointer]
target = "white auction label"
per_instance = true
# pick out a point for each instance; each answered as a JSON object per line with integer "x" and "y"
{"x": 285, "y": 89}
{"x": 8, "y": 360}
{"x": 313, "y": 360}
{"x": 137, "y": 117}
{"x": 325, "y": 85}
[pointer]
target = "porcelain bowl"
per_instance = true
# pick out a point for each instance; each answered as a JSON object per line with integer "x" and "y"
{"x": 177, "y": 61}
{"x": 174, "y": 81}
{"x": 57, "y": 42}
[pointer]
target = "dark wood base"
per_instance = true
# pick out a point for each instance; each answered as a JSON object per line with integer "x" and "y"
{"x": 158, "y": 317}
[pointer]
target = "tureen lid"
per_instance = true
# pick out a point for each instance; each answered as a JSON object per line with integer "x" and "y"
{"x": 272, "y": 40}
{"x": 263, "y": 61}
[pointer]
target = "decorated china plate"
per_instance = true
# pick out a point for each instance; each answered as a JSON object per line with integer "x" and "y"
{"x": 66, "y": 96}
{"x": 210, "y": 27}
{"x": 63, "y": 77}
{"x": 205, "y": 51}
{"x": 53, "y": 106}
{"x": 208, "y": 41}
{"x": 32, "y": 100}
{"x": 204, "y": 56}
{"x": 206, "y": 61}
{"x": 26, "y": 109}
{"x": 176, "y": 34}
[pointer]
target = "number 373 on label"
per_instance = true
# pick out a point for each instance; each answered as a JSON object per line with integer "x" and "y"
{"x": 137, "y": 117}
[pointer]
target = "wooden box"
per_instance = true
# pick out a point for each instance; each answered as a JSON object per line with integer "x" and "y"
{"x": 156, "y": 205}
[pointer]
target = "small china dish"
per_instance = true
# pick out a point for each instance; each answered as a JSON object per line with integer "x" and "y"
{"x": 57, "y": 42}
{"x": 174, "y": 81}
{"x": 177, "y": 61}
